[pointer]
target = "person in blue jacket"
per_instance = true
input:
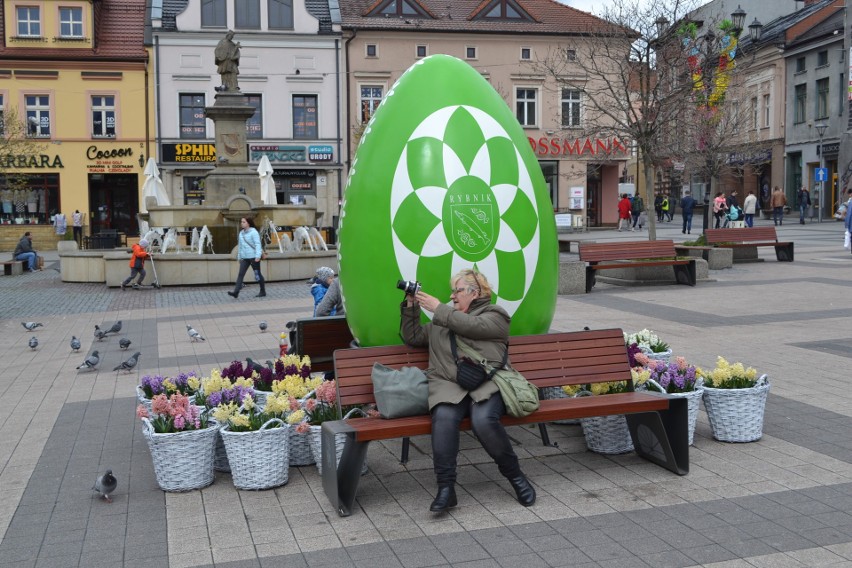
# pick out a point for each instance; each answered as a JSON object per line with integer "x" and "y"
{"x": 320, "y": 284}
{"x": 249, "y": 253}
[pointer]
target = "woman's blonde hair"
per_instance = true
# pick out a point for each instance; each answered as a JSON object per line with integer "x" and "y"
{"x": 474, "y": 280}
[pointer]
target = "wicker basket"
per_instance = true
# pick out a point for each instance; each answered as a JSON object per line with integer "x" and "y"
{"x": 339, "y": 442}
{"x": 693, "y": 402}
{"x": 143, "y": 400}
{"x": 259, "y": 459}
{"x": 260, "y": 398}
{"x": 663, "y": 356}
{"x": 736, "y": 415}
{"x": 607, "y": 434}
{"x": 552, "y": 393}
{"x": 301, "y": 453}
{"x": 220, "y": 456}
{"x": 183, "y": 461}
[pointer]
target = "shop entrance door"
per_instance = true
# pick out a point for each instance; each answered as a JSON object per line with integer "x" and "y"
{"x": 114, "y": 203}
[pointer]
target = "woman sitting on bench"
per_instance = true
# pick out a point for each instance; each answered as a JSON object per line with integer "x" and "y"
{"x": 484, "y": 327}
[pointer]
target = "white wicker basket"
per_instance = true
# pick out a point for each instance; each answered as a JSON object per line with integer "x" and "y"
{"x": 143, "y": 400}
{"x": 736, "y": 415}
{"x": 552, "y": 393}
{"x": 260, "y": 398}
{"x": 259, "y": 459}
{"x": 301, "y": 453}
{"x": 693, "y": 402}
{"x": 663, "y": 356}
{"x": 607, "y": 434}
{"x": 183, "y": 461}
{"x": 220, "y": 456}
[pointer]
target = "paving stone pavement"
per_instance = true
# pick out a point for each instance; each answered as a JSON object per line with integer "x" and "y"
{"x": 785, "y": 500}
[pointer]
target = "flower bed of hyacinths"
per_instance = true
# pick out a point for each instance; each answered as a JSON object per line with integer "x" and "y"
{"x": 247, "y": 402}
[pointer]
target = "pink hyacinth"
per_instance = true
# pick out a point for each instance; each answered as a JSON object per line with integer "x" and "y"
{"x": 160, "y": 404}
{"x": 302, "y": 428}
{"x": 642, "y": 359}
{"x": 327, "y": 392}
{"x": 294, "y": 404}
{"x": 681, "y": 363}
{"x": 180, "y": 422}
{"x": 142, "y": 412}
{"x": 310, "y": 404}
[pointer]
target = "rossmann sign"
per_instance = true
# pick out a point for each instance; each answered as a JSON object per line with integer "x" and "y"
{"x": 188, "y": 153}
{"x": 591, "y": 147}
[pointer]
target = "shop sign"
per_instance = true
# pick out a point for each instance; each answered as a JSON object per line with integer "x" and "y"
{"x": 293, "y": 173}
{"x": 188, "y": 153}
{"x": 320, "y": 153}
{"x": 546, "y": 146}
{"x": 740, "y": 158}
{"x": 829, "y": 149}
{"x": 32, "y": 161}
{"x": 277, "y": 153}
{"x": 109, "y": 161}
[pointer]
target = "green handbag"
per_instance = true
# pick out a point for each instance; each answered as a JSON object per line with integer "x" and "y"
{"x": 398, "y": 393}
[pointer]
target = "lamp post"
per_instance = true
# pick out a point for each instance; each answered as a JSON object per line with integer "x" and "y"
{"x": 821, "y": 127}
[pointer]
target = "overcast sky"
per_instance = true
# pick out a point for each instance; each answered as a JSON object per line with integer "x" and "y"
{"x": 594, "y": 6}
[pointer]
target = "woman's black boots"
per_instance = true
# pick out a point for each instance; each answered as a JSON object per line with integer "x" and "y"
{"x": 446, "y": 499}
{"x": 262, "y": 292}
{"x": 523, "y": 489}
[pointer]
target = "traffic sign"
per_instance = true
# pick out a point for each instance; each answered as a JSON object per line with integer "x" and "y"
{"x": 821, "y": 174}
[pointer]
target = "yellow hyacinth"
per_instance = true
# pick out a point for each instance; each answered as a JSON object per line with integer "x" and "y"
{"x": 240, "y": 421}
{"x": 169, "y": 385}
{"x": 243, "y": 382}
{"x": 277, "y": 404}
{"x": 194, "y": 383}
{"x": 640, "y": 377}
{"x": 248, "y": 402}
{"x": 223, "y": 412}
{"x": 572, "y": 390}
{"x": 296, "y": 417}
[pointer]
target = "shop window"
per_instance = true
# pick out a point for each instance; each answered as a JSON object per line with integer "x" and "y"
{"x": 254, "y": 125}
{"x": 247, "y": 14}
{"x": 293, "y": 187}
{"x": 192, "y": 121}
{"x": 213, "y": 14}
{"x": 304, "y": 116}
{"x": 71, "y": 22}
{"x": 103, "y": 117}
{"x": 29, "y": 21}
{"x": 572, "y": 106}
{"x": 28, "y": 198}
{"x": 280, "y": 14}
{"x": 371, "y": 98}
{"x": 525, "y": 105}
{"x": 38, "y": 116}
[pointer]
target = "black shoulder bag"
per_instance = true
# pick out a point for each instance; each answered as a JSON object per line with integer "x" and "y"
{"x": 470, "y": 374}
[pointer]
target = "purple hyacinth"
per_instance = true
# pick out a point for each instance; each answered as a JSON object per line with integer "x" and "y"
{"x": 632, "y": 350}
{"x": 214, "y": 399}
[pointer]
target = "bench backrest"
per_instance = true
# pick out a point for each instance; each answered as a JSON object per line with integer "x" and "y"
{"x": 743, "y": 235}
{"x": 549, "y": 360}
{"x": 320, "y": 337}
{"x": 597, "y": 252}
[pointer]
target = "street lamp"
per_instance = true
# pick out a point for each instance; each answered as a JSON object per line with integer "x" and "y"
{"x": 821, "y": 127}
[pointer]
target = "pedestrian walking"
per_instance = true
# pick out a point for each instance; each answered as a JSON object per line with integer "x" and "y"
{"x": 777, "y": 202}
{"x": 249, "y": 253}
{"x": 720, "y": 206}
{"x": 749, "y": 208}
{"x": 624, "y": 207}
{"x": 803, "y": 197}
{"x": 687, "y": 206}
{"x": 77, "y": 224}
{"x": 637, "y": 206}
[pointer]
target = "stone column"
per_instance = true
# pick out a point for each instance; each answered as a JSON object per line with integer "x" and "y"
{"x": 229, "y": 115}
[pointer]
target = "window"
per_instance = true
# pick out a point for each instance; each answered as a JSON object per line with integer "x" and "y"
{"x": 372, "y": 50}
{"x": 420, "y": 51}
{"x": 526, "y": 54}
{"x": 103, "y": 116}
{"x": 525, "y": 100}
{"x": 371, "y": 97}
{"x": 254, "y": 125}
{"x": 571, "y": 108}
{"x": 247, "y": 14}
{"x": 801, "y": 101}
{"x": 280, "y": 14}
{"x": 213, "y": 14}
{"x": 800, "y": 64}
{"x": 735, "y": 112}
{"x": 822, "y": 58}
{"x": 71, "y": 22}
{"x": 470, "y": 52}
{"x": 754, "y": 114}
{"x": 397, "y": 8}
{"x": 842, "y": 97}
{"x": 822, "y": 98}
{"x": 29, "y": 23}
{"x": 304, "y": 116}
{"x": 571, "y": 55}
{"x": 192, "y": 121}
{"x": 502, "y": 10}
{"x": 38, "y": 115}
{"x": 767, "y": 111}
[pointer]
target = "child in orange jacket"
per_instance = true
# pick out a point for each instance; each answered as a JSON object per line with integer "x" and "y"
{"x": 137, "y": 264}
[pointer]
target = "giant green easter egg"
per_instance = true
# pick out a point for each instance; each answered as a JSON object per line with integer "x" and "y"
{"x": 444, "y": 179}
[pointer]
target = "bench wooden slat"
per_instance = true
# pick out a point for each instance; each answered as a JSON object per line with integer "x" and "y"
{"x": 599, "y": 256}
{"x": 318, "y": 338}
{"x": 751, "y": 237}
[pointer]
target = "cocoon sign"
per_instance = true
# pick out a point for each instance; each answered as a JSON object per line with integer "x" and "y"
{"x": 444, "y": 179}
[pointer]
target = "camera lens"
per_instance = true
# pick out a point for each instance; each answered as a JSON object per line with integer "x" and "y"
{"x": 402, "y": 285}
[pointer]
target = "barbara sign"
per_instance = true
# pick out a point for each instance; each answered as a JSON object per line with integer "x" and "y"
{"x": 545, "y": 146}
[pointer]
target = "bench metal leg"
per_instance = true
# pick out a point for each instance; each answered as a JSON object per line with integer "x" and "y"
{"x": 590, "y": 278}
{"x": 340, "y": 481}
{"x": 685, "y": 273}
{"x": 406, "y": 445}
{"x": 662, "y": 437}
{"x": 545, "y": 437}
{"x": 784, "y": 253}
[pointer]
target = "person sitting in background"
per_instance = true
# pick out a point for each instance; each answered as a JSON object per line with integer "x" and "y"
{"x": 319, "y": 285}
{"x": 332, "y": 302}
{"x": 24, "y": 251}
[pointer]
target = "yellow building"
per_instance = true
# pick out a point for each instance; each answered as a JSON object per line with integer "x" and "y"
{"x": 76, "y": 73}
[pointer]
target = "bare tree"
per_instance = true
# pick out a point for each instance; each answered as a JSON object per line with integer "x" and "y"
{"x": 14, "y": 142}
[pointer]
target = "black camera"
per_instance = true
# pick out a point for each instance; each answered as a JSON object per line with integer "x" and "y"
{"x": 410, "y": 287}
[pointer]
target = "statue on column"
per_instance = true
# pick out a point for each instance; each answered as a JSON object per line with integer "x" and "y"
{"x": 227, "y": 58}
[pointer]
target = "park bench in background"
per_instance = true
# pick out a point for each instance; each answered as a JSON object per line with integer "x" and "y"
{"x": 319, "y": 337}
{"x": 750, "y": 237}
{"x": 657, "y": 422}
{"x": 13, "y": 267}
{"x": 604, "y": 256}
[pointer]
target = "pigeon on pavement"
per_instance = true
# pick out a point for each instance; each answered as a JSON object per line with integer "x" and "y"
{"x": 33, "y": 342}
{"x": 262, "y": 325}
{"x": 124, "y": 343}
{"x": 91, "y": 361}
{"x": 75, "y": 343}
{"x": 99, "y": 333}
{"x": 253, "y": 365}
{"x": 106, "y": 484}
{"x": 129, "y": 364}
{"x": 193, "y": 334}
{"x": 116, "y": 327}
{"x": 31, "y": 325}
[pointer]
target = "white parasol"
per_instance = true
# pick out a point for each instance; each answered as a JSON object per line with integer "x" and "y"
{"x": 267, "y": 184}
{"x": 153, "y": 186}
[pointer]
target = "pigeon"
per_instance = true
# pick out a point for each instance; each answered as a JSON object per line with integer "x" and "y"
{"x": 31, "y": 325}
{"x": 99, "y": 333}
{"x": 33, "y": 342}
{"x": 129, "y": 364}
{"x": 106, "y": 484}
{"x": 262, "y": 325}
{"x": 75, "y": 343}
{"x": 193, "y": 334}
{"x": 253, "y": 365}
{"x": 116, "y": 327}
{"x": 124, "y": 343}
{"x": 91, "y": 361}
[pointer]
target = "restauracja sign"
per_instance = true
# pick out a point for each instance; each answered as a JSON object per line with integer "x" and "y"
{"x": 545, "y": 146}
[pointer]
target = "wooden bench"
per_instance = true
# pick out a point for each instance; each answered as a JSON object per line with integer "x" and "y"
{"x": 750, "y": 237}
{"x": 657, "y": 422}
{"x": 319, "y": 338}
{"x": 13, "y": 267}
{"x": 605, "y": 256}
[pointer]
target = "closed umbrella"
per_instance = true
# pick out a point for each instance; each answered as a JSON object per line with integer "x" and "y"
{"x": 267, "y": 184}
{"x": 153, "y": 186}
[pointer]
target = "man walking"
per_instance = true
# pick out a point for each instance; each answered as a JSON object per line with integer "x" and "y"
{"x": 778, "y": 201}
{"x": 749, "y": 208}
{"x": 687, "y": 204}
{"x": 804, "y": 199}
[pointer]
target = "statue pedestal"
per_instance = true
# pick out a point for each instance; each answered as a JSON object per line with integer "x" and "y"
{"x": 229, "y": 113}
